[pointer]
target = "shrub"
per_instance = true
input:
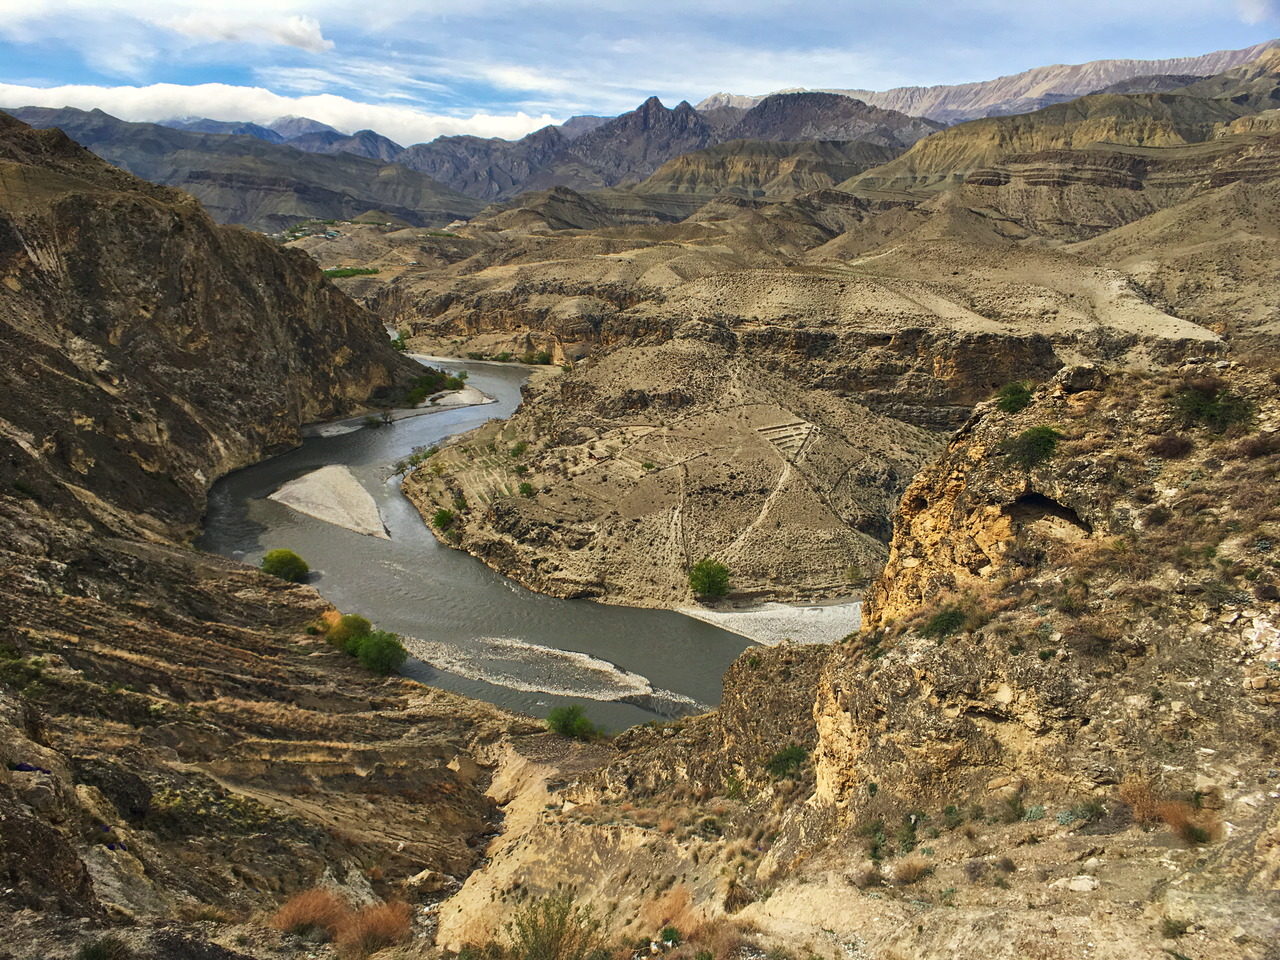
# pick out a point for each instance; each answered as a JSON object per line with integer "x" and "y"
{"x": 554, "y": 928}
{"x": 943, "y": 623}
{"x": 786, "y": 761}
{"x": 1259, "y": 445}
{"x": 1032, "y": 446}
{"x": 380, "y": 652}
{"x": 372, "y": 929}
{"x": 1172, "y": 446}
{"x": 350, "y": 272}
{"x": 443, "y": 518}
{"x": 349, "y": 629}
{"x": 312, "y": 912}
{"x": 539, "y": 357}
{"x": 1013, "y": 397}
{"x": 1207, "y": 401}
{"x": 526, "y": 489}
{"x": 286, "y": 565}
{"x": 105, "y": 948}
{"x": 520, "y": 448}
{"x": 709, "y": 578}
{"x": 571, "y": 721}
{"x": 670, "y": 935}
{"x": 1171, "y": 929}
{"x": 912, "y": 870}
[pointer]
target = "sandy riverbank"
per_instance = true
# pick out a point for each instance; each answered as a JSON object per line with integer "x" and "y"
{"x": 334, "y": 495}
{"x": 773, "y": 623}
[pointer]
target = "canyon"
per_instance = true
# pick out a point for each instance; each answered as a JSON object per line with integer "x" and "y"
{"x": 1014, "y": 384}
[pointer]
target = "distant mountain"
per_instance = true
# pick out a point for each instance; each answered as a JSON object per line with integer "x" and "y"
{"x": 1198, "y": 113}
{"x": 233, "y": 127}
{"x": 635, "y": 144}
{"x": 290, "y": 127}
{"x": 362, "y": 143}
{"x": 1026, "y": 91}
{"x": 245, "y": 180}
{"x": 828, "y": 116}
{"x": 575, "y": 127}
{"x": 1156, "y": 83}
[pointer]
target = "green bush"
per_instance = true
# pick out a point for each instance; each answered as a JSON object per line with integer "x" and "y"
{"x": 526, "y": 489}
{"x": 709, "y": 578}
{"x": 380, "y": 652}
{"x": 786, "y": 761}
{"x": 554, "y": 928}
{"x": 432, "y": 381}
{"x": 1013, "y": 397}
{"x": 539, "y": 357}
{"x": 348, "y": 631}
{"x": 943, "y": 623}
{"x": 1032, "y": 446}
{"x": 443, "y": 518}
{"x": 670, "y": 935}
{"x": 571, "y": 721}
{"x": 1207, "y": 401}
{"x": 286, "y": 565}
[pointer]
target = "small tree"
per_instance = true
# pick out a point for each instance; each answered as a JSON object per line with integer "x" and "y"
{"x": 443, "y": 518}
{"x": 526, "y": 489}
{"x": 709, "y": 578}
{"x": 571, "y": 721}
{"x": 381, "y": 652}
{"x": 286, "y": 565}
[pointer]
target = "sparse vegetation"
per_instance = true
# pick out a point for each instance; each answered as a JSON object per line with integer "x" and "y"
{"x": 430, "y": 382}
{"x": 709, "y": 578}
{"x": 526, "y": 489}
{"x": 571, "y": 721}
{"x": 1013, "y": 397}
{"x": 286, "y": 565}
{"x": 339, "y": 272}
{"x": 912, "y": 870}
{"x": 1172, "y": 446}
{"x": 554, "y": 928}
{"x": 670, "y": 935}
{"x": 1032, "y": 446}
{"x": 786, "y": 761}
{"x": 443, "y": 518}
{"x": 943, "y": 623}
{"x": 1206, "y": 401}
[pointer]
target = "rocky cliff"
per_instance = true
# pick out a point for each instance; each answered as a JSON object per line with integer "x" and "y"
{"x": 1052, "y": 738}
{"x": 178, "y": 751}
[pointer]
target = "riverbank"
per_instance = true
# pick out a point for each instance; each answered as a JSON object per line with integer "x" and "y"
{"x": 770, "y": 624}
{"x": 468, "y": 396}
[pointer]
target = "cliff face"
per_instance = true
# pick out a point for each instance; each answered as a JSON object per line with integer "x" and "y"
{"x": 166, "y": 723}
{"x": 154, "y": 350}
{"x": 1055, "y": 732}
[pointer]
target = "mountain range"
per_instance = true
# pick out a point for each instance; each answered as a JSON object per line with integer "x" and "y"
{"x": 1025, "y": 91}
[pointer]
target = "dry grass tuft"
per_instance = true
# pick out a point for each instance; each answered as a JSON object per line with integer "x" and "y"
{"x": 1189, "y": 824}
{"x": 373, "y": 929}
{"x": 312, "y": 911}
{"x": 912, "y": 870}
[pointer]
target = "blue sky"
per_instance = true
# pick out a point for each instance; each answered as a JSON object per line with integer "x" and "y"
{"x": 414, "y": 70}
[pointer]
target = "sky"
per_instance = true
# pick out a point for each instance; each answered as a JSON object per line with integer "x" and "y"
{"x": 416, "y": 70}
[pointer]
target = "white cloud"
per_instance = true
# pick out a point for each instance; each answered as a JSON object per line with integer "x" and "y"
{"x": 220, "y": 101}
{"x": 1256, "y": 11}
{"x": 296, "y": 31}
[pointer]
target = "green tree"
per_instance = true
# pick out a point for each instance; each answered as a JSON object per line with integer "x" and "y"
{"x": 381, "y": 652}
{"x": 709, "y": 578}
{"x": 571, "y": 721}
{"x": 347, "y": 633}
{"x": 286, "y": 565}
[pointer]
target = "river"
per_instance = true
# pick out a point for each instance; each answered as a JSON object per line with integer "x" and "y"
{"x": 477, "y": 632}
